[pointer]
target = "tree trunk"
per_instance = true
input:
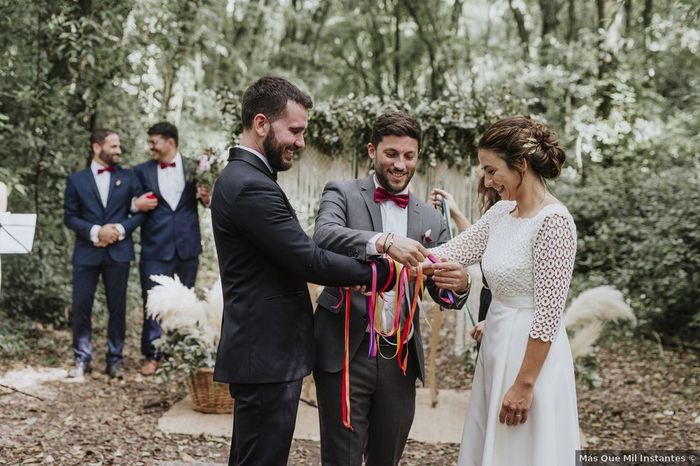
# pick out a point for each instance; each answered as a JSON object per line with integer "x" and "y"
{"x": 549, "y": 9}
{"x": 522, "y": 30}
{"x": 572, "y": 32}
{"x": 647, "y": 14}
{"x": 397, "y": 48}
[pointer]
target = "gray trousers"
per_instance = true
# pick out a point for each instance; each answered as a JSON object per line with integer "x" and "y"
{"x": 382, "y": 406}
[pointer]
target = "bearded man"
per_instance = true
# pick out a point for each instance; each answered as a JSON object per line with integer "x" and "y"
{"x": 365, "y": 218}
{"x": 265, "y": 261}
{"x": 97, "y": 207}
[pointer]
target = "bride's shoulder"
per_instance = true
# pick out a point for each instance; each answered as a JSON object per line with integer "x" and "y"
{"x": 555, "y": 213}
{"x": 502, "y": 208}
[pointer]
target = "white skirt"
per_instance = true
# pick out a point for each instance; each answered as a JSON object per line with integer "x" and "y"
{"x": 550, "y": 436}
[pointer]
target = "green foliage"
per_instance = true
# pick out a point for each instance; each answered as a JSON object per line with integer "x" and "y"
{"x": 638, "y": 231}
{"x": 451, "y": 125}
{"x": 617, "y": 80}
{"x": 183, "y": 352}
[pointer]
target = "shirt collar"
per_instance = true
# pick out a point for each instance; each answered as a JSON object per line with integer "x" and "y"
{"x": 94, "y": 166}
{"x": 377, "y": 185}
{"x": 258, "y": 155}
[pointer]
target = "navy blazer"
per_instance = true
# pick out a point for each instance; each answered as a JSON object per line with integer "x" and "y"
{"x": 82, "y": 209}
{"x": 265, "y": 259}
{"x": 167, "y": 231}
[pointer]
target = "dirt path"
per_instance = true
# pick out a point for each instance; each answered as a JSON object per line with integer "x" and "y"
{"x": 644, "y": 401}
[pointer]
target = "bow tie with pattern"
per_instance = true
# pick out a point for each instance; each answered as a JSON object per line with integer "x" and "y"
{"x": 109, "y": 168}
{"x": 381, "y": 195}
{"x": 166, "y": 164}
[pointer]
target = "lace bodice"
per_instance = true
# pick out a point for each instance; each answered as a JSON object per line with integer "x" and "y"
{"x": 522, "y": 257}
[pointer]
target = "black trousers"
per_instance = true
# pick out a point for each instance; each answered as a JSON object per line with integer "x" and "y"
{"x": 382, "y": 406}
{"x": 263, "y": 423}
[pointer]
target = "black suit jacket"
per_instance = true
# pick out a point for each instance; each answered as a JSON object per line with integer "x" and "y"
{"x": 266, "y": 260}
{"x": 348, "y": 217}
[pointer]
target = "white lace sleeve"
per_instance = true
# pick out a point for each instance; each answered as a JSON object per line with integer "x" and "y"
{"x": 468, "y": 247}
{"x": 553, "y": 256}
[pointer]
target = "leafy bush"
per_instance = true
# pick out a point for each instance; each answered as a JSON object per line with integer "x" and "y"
{"x": 638, "y": 231}
{"x": 184, "y": 352}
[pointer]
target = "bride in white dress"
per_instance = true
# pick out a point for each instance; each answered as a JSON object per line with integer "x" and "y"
{"x": 522, "y": 410}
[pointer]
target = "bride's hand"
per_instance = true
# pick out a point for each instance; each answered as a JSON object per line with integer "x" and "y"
{"x": 516, "y": 404}
{"x": 477, "y": 332}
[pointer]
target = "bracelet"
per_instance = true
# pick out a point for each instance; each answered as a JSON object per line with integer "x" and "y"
{"x": 386, "y": 237}
{"x": 391, "y": 243}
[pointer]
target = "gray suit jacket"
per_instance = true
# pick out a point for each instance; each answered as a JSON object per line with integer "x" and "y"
{"x": 348, "y": 217}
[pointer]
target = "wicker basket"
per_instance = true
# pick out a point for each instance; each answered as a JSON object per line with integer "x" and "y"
{"x": 208, "y": 396}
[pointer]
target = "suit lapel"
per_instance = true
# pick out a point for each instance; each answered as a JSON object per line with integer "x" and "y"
{"x": 113, "y": 183}
{"x": 91, "y": 181}
{"x": 414, "y": 229}
{"x": 152, "y": 171}
{"x": 239, "y": 153}
{"x": 375, "y": 212}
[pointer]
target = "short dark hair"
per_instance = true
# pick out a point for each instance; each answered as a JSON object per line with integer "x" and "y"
{"x": 395, "y": 124}
{"x": 99, "y": 135}
{"x": 166, "y": 130}
{"x": 269, "y": 95}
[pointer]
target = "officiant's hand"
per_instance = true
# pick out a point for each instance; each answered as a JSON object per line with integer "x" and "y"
{"x": 516, "y": 404}
{"x": 146, "y": 202}
{"x": 450, "y": 276}
{"x": 407, "y": 251}
{"x": 204, "y": 195}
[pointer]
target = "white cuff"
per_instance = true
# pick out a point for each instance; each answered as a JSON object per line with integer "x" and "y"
{"x": 372, "y": 245}
{"x": 133, "y": 205}
{"x": 93, "y": 234}
{"x": 122, "y": 231}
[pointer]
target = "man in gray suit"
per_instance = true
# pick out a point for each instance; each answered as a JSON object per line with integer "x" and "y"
{"x": 363, "y": 218}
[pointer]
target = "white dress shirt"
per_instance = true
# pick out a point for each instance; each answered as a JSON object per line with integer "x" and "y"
{"x": 171, "y": 182}
{"x": 102, "y": 180}
{"x": 394, "y": 220}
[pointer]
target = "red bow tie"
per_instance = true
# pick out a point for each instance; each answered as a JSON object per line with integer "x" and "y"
{"x": 109, "y": 168}
{"x": 381, "y": 195}
{"x": 166, "y": 165}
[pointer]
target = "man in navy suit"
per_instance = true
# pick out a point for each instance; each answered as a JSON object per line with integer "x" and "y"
{"x": 97, "y": 207}
{"x": 170, "y": 236}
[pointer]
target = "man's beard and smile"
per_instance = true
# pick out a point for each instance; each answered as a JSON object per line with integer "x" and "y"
{"x": 109, "y": 159}
{"x": 279, "y": 156}
{"x": 391, "y": 179}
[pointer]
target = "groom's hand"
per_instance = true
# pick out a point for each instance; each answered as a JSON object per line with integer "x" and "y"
{"x": 407, "y": 251}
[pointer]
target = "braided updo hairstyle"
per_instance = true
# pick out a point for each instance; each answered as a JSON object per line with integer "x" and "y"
{"x": 520, "y": 139}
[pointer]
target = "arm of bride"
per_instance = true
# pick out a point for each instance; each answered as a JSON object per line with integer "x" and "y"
{"x": 553, "y": 257}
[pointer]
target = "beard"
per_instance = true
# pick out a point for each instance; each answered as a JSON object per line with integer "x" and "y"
{"x": 391, "y": 186}
{"x": 109, "y": 159}
{"x": 274, "y": 152}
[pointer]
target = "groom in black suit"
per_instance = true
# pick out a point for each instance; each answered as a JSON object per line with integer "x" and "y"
{"x": 364, "y": 218}
{"x": 266, "y": 260}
